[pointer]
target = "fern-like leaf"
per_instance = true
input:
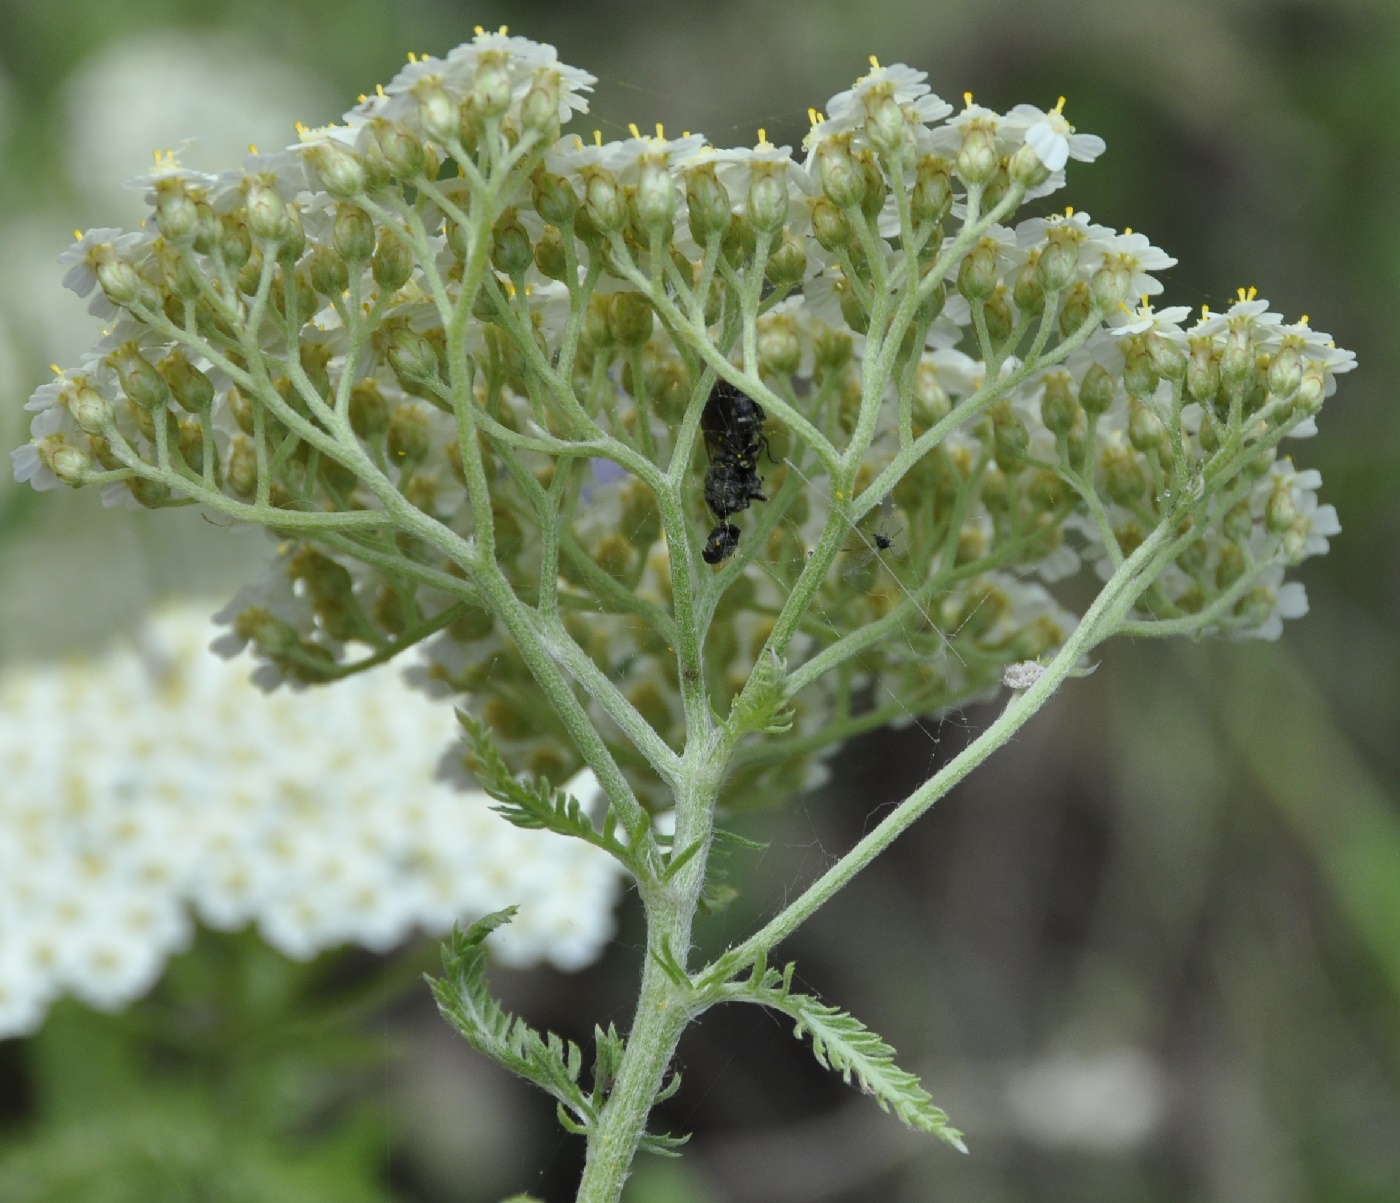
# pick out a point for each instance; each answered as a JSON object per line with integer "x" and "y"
{"x": 462, "y": 996}
{"x": 534, "y": 804}
{"x": 841, "y": 1042}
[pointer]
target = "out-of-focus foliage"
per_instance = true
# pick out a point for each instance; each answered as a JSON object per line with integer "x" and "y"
{"x": 1159, "y": 935}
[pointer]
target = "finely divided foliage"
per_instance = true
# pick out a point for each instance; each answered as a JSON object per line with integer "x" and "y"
{"x": 457, "y": 363}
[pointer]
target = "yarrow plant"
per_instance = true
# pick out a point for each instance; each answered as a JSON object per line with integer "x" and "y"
{"x": 683, "y": 465}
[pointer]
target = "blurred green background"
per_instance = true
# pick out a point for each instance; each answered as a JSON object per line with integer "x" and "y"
{"x": 1151, "y": 952}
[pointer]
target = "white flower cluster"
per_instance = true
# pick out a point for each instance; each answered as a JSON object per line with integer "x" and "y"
{"x": 303, "y": 343}
{"x": 156, "y": 787}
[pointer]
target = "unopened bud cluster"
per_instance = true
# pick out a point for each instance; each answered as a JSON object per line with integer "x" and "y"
{"x": 443, "y": 345}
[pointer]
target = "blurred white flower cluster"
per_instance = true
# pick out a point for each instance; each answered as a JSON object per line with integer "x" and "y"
{"x": 156, "y": 787}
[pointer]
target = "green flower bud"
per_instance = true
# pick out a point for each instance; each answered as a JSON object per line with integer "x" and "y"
{"x": 873, "y": 199}
{"x": 70, "y": 464}
{"x": 1312, "y": 389}
{"x": 1167, "y": 358}
{"x": 1139, "y": 373}
{"x": 1059, "y": 409}
{"x": 997, "y": 314}
{"x": 554, "y": 198}
{"x": 340, "y": 170}
{"x": 412, "y": 358}
{"x": 932, "y": 198}
{"x": 139, "y": 379}
{"x": 787, "y": 264}
{"x": 1280, "y": 511}
{"x": 437, "y": 113}
{"x": 549, "y": 254}
{"x": 1202, "y": 372}
{"x": 177, "y": 215}
{"x": 1238, "y": 524}
{"x": 176, "y": 276}
{"x": 1076, "y": 309}
{"x": 1059, "y": 259}
{"x": 842, "y": 178}
{"x": 1286, "y": 372}
{"x": 120, "y": 281}
{"x": 829, "y": 224}
{"x": 856, "y": 317}
{"x": 832, "y": 350}
{"x": 605, "y": 201}
{"x": 779, "y": 350}
{"x": 293, "y": 239}
{"x": 977, "y": 274}
{"x": 1027, "y": 291}
{"x": 409, "y": 435}
{"x": 329, "y": 275}
{"x": 91, "y": 411}
{"x": 267, "y": 213}
{"x": 1109, "y": 286}
{"x": 995, "y": 490}
{"x": 188, "y": 385}
{"x": 656, "y": 196}
{"x": 401, "y": 148}
{"x": 768, "y": 200}
{"x": 1236, "y": 359}
{"x": 539, "y": 111}
{"x": 1146, "y": 431}
{"x": 1124, "y": 477}
{"x": 241, "y": 466}
{"x": 1256, "y": 605}
{"x": 511, "y": 251}
{"x": 234, "y": 243}
{"x": 977, "y": 160}
{"x": 1026, "y": 169}
{"x": 393, "y": 261}
{"x": 369, "y": 411}
{"x": 708, "y": 203}
{"x": 629, "y": 318}
{"x": 1230, "y": 567}
{"x": 490, "y": 91}
{"x": 1011, "y": 440}
{"x": 885, "y": 125}
{"x": 1192, "y": 559}
{"x": 931, "y": 401}
{"x": 740, "y": 241}
{"x": 1295, "y": 541}
{"x": 150, "y": 494}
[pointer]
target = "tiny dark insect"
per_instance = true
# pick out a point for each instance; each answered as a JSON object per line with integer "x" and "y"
{"x": 721, "y": 543}
{"x": 732, "y": 423}
{"x": 883, "y": 542}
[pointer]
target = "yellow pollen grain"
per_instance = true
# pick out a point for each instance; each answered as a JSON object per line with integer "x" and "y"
{"x": 78, "y": 235}
{"x": 363, "y": 98}
{"x": 479, "y": 31}
{"x": 252, "y": 148}
{"x": 634, "y": 131}
{"x": 1205, "y": 311}
{"x": 505, "y": 29}
{"x": 1127, "y": 229}
{"x": 1303, "y": 321}
{"x": 1069, "y": 210}
{"x": 412, "y": 58}
{"x": 967, "y": 99}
